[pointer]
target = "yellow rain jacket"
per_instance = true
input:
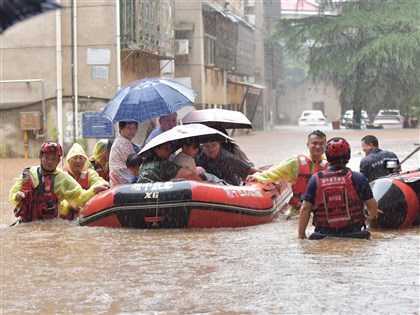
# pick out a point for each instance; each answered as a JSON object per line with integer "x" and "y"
{"x": 65, "y": 188}
{"x": 100, "y": 150}
{"x": 286, "y": 169}
{"x": 93, "y": 177}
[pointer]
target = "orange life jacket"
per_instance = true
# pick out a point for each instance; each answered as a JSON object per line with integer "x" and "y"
{"x": 304, "y": 173}
{"x": 83, "y": 179}
{"x": 337, "y": 204}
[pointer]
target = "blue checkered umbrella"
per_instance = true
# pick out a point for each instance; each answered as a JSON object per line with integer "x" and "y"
{"x": 14, "y": 11}
{"x": 146, "y": 99}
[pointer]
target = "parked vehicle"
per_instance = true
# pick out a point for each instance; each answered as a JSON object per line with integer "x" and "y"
{"x": 312, "y": 118}
{"x": 347, "y": 119}
{"x": 388, "y": 118}
{"x": 410, "y": 122}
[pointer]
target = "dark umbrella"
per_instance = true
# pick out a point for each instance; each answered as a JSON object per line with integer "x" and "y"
{"x": 214, "y": 117}
{"x": 146, "y": 99}
{"x": 14, "y": 11}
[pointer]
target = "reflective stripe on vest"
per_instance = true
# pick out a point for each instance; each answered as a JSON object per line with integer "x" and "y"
{"x": 337, "y": 204}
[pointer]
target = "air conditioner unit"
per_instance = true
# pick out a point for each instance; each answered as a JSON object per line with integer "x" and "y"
{"x": 250, "y": 18}
{"x": 182, "y": 47}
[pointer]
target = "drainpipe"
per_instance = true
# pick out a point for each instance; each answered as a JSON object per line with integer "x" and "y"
{"x": 59, "y": 79}
{"x": 75, "y": 70}
{"x": 118, "y": 45}
{"x": 225, "y": 94}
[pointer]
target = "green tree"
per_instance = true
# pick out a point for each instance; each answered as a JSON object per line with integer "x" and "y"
{"x": 369, "y": 50}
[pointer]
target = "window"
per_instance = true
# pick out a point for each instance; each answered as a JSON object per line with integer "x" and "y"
{"x": 209, "y": 49}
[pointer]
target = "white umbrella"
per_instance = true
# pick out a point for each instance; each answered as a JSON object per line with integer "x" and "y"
{"x": 183, "y": 132}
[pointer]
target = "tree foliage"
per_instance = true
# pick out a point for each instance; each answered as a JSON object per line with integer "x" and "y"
{"x": 369, "y": 50}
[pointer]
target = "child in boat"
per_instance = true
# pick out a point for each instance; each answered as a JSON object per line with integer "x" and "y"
{"x": 156, "y": 166}
{"x": 186, "y": 157}
{"x": 133, "y": 164}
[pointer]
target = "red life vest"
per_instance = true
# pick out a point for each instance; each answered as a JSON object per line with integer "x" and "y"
{"x": 83, "y": 179}
{"x": 304, "y": 173}
{"x": 337, "y": 204}
{"x": 40, "y": 202}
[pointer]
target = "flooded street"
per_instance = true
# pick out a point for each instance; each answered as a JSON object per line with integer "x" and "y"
{"x": 60, "y": 268}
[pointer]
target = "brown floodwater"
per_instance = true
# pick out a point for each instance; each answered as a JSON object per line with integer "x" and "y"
{"x": 58, "y": 267}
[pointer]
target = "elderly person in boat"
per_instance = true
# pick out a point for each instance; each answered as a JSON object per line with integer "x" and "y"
{"x": 156, "y": 167}
{"x": 218, "y": 161}
{"x": 76, "y": 166}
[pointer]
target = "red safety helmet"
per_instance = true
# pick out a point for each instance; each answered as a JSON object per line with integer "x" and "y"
{"x": 51, "y": 147}
{"x": 338, "y": 150}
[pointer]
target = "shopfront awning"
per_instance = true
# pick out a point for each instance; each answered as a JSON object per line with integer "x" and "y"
{"x": 251, "y": 87}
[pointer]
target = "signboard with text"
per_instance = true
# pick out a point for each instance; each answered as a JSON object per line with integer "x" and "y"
{"x": 94, "y": 126}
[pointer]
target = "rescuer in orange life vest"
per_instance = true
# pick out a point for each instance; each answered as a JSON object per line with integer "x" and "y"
{"x": 298, "y": 169}
{"x": 336, "y": 197}
{"x": 39, "y": 189}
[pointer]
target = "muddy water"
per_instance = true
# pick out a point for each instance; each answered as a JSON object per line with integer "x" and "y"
{"x": 59, "y": 268}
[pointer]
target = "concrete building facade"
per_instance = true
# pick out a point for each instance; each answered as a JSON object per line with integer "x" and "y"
{"x": 60, "y": 65}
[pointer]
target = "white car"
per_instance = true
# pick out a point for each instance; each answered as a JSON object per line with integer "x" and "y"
{"x": 388, "y": 118}
{"x": 312, "y": 118}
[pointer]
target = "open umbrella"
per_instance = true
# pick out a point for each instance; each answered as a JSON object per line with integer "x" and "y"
{"x": 182, "y": 132}
{"x": 13, "y": 11}
{"x": 145, "y": 99}
{"x": 214, "y": 117}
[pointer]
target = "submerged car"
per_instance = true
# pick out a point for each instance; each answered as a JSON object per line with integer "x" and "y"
{"x": 388, "y": 118}
{"x": 312, "y": 118}
{"x": 347, "y": 119}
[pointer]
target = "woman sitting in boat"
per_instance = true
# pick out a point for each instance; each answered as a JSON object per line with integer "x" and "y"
{"x": 156, "y": 166}
{"x": 223, "y": 164}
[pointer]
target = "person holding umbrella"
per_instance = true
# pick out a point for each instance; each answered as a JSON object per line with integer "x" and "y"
{"x": 157, "y": 167}
{"x": 167, "y": 122}
{"x": 218, "y": 161}
{"x": 122, "y": 147}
